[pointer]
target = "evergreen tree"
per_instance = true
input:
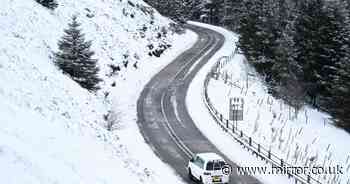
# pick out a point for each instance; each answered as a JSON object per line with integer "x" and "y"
{"x": 285, "y": 70}
{"x": 216, "y": 12}
{"x": 75, "y": 58}
{"x": 196, "y": 9}
{"x": 259, "y": 33}
{"x": 50, "y": 4}
{"x": 303, "y": 50}
{"x": 178, "y": 10}
{"x": 233, "y": 12}
{"x": 249, "y": 26}
{"x": 339, "y": 104}
{"x": 308, "y": 46}
{"x": 319, "y": 39}
{"x": 338, "y": 83}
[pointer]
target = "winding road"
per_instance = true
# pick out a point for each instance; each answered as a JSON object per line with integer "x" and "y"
{"x": 162, "y": 113}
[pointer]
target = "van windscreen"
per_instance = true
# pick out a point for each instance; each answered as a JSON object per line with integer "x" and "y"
{"x": 215, "y": 165}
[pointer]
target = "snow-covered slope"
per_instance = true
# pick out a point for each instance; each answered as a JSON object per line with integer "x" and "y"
{"x": 51, "y": 130}
{"x": 304, "y": 137}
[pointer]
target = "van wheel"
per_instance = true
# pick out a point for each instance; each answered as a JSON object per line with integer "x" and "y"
{"x": 190, "y": 174}
{"x": 201, "y": 180}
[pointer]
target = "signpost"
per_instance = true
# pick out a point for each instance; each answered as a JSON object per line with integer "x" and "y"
{"x": 236, "y": 109}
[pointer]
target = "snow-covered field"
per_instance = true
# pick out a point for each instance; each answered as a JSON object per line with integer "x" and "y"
{"x": 52, "y": 130}
{"x": 304, "y": 138}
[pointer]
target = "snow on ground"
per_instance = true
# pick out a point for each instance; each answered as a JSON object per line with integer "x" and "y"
{"x": 52, "y": 130}
{"x": 304, "y": 138}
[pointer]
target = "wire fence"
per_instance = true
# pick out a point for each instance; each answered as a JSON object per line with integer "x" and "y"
{"x": 241, "y": 137}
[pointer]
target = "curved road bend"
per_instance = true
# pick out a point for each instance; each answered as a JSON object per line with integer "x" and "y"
{"x": 162, "y": 114}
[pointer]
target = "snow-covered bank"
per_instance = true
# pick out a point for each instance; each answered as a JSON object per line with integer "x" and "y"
{"x": 52, "y": 130}
{"x": 303, "y": 139}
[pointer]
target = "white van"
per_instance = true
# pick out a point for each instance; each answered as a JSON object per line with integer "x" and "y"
{"x": 207, "y": 168}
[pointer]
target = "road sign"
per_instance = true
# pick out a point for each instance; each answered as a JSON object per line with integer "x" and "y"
{"x": 236, "y": 109}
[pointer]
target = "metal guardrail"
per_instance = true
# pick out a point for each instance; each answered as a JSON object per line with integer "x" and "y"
{"x": 246, "y": 141}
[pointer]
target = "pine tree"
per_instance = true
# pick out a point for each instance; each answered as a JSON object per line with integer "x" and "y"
{"x": 259, "y": 33}
{"x": 233, "y": 12}
{"x": 196, "y": 9}
{"x": 338, "y": 84}
{"x": 285, "y": 70}
{"x": 319, "y": 39}
{"x": 339, "y": 105}
{"x": 267, "y": 30}
{"x": 249, "y": 26}
{"x": 50, "y": 4}
{"x": 178, "y": 10}
{"x": 75, "y": 58}
{"x": 308, "y": 46}
{"x": 303, "y": 50}
{"x": 217, "y": 12}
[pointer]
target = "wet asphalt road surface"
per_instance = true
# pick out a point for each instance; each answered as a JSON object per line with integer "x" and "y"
{"x": 162, "y": 114}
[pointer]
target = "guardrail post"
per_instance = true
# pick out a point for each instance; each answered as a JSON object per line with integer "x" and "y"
{"x": 259, "y": 148}
{"x": 308, "y": 178}
{"x": 269, "y": 154}
{"x": 221, "y": 117}
{"x": 282, "y": 163}
{"x": 250, "y": 141}
{"x": 233, "y": 128}
{"x": 241, "y": 133}
{"x": 227, "y": 123}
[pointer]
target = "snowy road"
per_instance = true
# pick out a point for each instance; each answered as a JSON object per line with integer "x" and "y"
{"x": 162, "y": 114}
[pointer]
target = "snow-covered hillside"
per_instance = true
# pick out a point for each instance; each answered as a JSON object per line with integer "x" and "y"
{"x": 52, "y": 130}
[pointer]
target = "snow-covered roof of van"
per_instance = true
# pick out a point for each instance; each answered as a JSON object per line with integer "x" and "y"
{"x": 210, "y": 156}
